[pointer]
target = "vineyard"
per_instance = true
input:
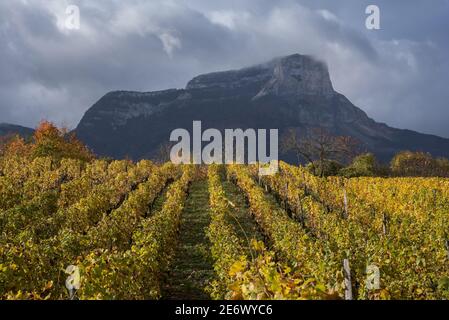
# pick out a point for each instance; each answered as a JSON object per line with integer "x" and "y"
{"x": 101, "y": 229}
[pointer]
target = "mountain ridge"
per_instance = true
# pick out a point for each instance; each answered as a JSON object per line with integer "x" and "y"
{"x": 294, "y": 91}
{"x": 13, "y": 129}
{"x": 287, "y": 92}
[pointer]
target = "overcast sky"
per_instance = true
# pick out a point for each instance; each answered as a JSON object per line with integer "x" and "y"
{"x": 398, "y": 75}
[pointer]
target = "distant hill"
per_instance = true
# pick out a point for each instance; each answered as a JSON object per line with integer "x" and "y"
{"x": 288, "y": 92}
{"x": 11, "y": 129}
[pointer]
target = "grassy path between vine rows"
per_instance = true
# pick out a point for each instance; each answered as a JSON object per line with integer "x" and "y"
{"x": 192, "y": 267}
{"x": 244, "y": 224}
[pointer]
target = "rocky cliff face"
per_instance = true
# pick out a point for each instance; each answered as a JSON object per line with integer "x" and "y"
{"x": 284, "y": 77}
{"x": 288, "y": 92}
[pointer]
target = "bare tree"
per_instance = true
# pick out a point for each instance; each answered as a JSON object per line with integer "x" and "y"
{"x": 318, "y": 146}
{"x": 291, "y": 142}
{"x": 163, "y": 154}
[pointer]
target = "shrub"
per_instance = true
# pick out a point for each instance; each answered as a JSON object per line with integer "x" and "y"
{"x": 364, "y": 165}
{"x": 324, "y": 169}
{"x": 58, "y": 143}
{"x": 420, "y": 164}
{"x": 47, "y": 141}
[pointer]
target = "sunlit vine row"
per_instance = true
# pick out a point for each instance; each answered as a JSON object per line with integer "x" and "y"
{"x": 407, "y": 246}
{"x": 137, "y": 272}
{"x": 253, "y": 275}
{"x": 27, "y": 179}
{"x": 33, "y": 263}
{"x": 24, "y": 220}
{"x": 320, "y": 271}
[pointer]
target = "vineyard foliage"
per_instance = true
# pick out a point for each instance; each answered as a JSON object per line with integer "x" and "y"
{"x": 117, "y": 225}
{"x": 400, "y": 226}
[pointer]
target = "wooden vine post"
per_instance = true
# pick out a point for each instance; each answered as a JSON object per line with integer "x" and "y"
{"x": 385, "y": 224}
{"x": 345, "y": 200}
{"x": 341, "y": 183}
{"x": 348, "y": 281}
{"x": 299, "y": 209}
{"x": 447, "y": 248}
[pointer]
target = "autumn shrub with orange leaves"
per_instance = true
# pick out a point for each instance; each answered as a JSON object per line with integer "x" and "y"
{"x": 48, "y": 141}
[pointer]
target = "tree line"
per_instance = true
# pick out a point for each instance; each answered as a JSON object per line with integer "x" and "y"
{"x": 325, "y": 154}
{"x": 322, "y": 153}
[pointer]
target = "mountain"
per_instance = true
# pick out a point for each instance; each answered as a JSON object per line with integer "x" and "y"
{"x": 11, "y": 129}
{"x": 288, "y": 92}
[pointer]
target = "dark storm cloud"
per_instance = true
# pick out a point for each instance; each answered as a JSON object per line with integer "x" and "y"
{"x": 398, "y": 75}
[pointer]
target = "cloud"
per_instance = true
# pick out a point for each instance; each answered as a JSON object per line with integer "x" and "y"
{"x": 170, "y": 43}
{"x": 398, "y": 75}
{"x": 228, "y": 18}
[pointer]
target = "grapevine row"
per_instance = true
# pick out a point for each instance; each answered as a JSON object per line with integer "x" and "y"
{"x": 407, "y": 248}
{"x": 320, "y": 276}
{"x": 137, "y": 273}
